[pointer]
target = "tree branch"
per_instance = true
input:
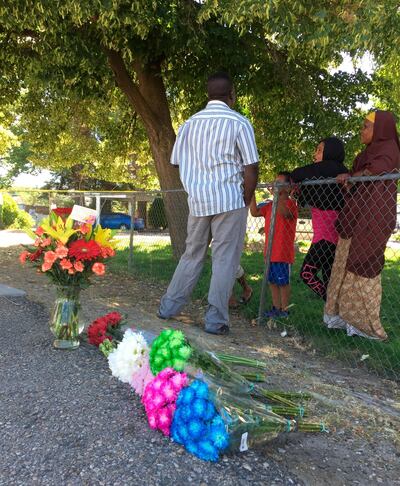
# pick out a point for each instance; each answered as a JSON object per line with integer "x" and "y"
{"x": 131, "y": 89}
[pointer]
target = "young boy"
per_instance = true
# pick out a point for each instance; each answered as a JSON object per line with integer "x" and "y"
{"x": 282, "y": 255}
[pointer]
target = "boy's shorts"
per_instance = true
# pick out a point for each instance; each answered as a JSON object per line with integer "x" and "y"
{"x": 279, "y": 273}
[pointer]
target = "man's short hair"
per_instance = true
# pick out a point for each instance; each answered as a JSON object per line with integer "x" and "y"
{"x": 219, "y": 85}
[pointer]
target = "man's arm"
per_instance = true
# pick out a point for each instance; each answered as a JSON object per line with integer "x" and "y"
{"x": 175, "y": 155}
{"x": 246, "y": 144}
{"x": 250, "y": 182}
{"x": 254, "y": 210}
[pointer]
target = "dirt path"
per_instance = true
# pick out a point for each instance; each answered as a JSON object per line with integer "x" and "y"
{"x": 362, "y": 411}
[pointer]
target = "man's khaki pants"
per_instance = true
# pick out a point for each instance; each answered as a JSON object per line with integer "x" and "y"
{"x": 227, "y": 231}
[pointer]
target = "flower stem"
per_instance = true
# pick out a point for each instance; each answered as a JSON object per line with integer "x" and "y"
{"x": 255, "y": 377}
{"x": 241, "y": 361}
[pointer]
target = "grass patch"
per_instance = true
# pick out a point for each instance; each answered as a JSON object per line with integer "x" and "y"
{"x": 155, "y": 262}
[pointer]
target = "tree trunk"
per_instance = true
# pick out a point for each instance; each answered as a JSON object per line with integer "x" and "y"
{"x": 142, "y": 211}
{"x": 148, "y": 99}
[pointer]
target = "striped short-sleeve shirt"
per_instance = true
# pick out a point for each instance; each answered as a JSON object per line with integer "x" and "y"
{"x": 211, "y": 150}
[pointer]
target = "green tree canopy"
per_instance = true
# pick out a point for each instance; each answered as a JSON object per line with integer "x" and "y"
{"x": 72, "y": 56}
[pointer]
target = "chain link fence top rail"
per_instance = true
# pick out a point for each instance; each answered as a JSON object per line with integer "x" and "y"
{"x": 343, "y": 299}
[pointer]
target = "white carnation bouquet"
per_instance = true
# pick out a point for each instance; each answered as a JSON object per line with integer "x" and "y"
{"x": 129, "y": 357}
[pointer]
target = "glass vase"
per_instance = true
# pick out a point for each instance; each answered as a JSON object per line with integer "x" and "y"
{"x": 64, "y": 322}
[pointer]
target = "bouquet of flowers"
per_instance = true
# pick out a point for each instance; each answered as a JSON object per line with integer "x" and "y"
{"x": 69, "y": 253}
{"x": 172, "y": 349}
{"x": 190, "y": 395}
{"x": 107, "y": 327}
{"x": 209, "y": 420}
{"x": 160, "y": 396}
{"x": 129, "y": 357}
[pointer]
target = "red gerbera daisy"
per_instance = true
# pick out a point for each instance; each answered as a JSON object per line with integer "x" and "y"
{"x": 84, "y": 250}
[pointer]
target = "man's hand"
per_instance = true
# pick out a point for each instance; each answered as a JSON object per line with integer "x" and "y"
{"x": 250, "y": 182}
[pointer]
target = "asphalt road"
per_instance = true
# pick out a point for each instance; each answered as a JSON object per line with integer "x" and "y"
{"x": 64, "y": 420}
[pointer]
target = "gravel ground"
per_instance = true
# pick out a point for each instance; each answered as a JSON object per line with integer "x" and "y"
{"x": 65, "y": 420}
{"x": 361, "y": 410}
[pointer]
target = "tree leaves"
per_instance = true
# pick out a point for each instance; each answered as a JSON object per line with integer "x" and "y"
{"x": 55, "y": 73}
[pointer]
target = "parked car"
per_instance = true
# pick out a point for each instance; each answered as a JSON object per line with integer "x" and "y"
{"x": 120, "y": 221}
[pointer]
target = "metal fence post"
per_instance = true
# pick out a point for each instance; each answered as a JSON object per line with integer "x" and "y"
{"x": 132, "y": 206}
{"x": 268, "y": 252}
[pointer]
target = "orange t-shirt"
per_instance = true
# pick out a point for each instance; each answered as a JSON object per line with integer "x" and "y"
{"x": 284, "y": 235}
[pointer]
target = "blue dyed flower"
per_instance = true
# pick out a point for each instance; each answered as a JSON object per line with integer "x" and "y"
{"x": 207, "y": 450}
{"x": 210, "y": 412}
{"x": 219, "y": 437}
{"x": 197, "y": 424}
{"x": 199, "y": 406}
{"x": 218, "y": 422}
{"x": 186, "y": 412}
{"x": 200, "y": 388}
{"x": 186, "y": 396}
{"x": 192, "y": 448}
{"x": 196, "y": 429}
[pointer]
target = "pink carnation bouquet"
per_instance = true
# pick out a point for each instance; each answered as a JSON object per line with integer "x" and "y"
{"x": 160, "y": 396}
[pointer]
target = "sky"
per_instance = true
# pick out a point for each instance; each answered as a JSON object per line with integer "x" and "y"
{"x": 33, "y": 181}
{"x": 365, "y": 63}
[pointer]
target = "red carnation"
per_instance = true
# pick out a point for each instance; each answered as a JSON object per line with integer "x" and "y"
{"x": 97, "y": 332}
{"x": 84, "y": 250}
{"x": 113, "y": 318}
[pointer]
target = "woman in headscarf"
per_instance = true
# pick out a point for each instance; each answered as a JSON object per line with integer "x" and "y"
{"x": 325, "y": 201}
{"x": 364, "y": 225}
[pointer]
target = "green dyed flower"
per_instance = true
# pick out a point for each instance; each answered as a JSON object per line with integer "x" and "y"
{"x": 185, "y": 352}
{"x": 169, "y": 349}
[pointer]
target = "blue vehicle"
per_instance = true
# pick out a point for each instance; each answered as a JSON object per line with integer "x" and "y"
{"x": 120, "y": 221}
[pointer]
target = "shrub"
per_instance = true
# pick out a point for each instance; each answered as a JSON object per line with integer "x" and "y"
{"x": 14, "y": 217}
{"x": 157, "y": 216}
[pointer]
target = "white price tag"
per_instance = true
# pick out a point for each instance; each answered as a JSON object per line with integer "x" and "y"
{"x": 243, "y": 442}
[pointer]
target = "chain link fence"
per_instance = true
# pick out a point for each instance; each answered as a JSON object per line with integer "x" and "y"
{"x": 344, "y": 281}
{"x": 337, "y": 293}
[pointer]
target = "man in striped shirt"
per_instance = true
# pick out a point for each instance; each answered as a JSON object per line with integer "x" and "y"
{"x": 218, "y": 164}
